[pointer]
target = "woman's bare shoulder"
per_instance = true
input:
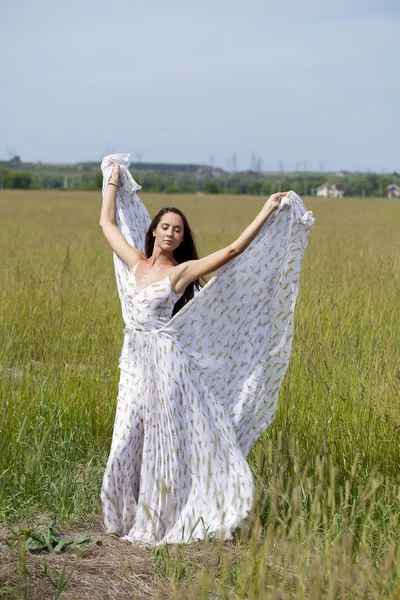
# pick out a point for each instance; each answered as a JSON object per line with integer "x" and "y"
{"x": 180, "y": 268}
{"x": 136, "y": 259}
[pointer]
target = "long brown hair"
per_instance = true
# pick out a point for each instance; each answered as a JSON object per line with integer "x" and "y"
{"x": 185, "y": 251}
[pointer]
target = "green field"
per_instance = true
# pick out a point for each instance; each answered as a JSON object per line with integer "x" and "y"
{"x": 326, "y": 520}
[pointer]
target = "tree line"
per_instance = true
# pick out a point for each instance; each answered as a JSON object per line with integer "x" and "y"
{"x": 87, "y": 177}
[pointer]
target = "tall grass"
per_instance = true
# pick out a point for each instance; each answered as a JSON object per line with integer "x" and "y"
{"x": 326, "y": 519}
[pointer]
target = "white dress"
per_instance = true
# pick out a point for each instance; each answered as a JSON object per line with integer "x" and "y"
{"x": 198, "y": 389}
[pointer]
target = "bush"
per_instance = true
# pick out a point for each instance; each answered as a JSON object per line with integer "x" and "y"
{"x": 211, "y": 187}
{"x": 172, "y": 189}
{"x": 17, "y": 180}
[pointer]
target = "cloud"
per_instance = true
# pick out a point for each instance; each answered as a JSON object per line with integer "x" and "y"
{"x": 183, "y": 80}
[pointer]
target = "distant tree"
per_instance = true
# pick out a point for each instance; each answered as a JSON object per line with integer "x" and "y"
{"x": 98, "y": 180}
{"x": 17, "y": 180}
{"x": 172, "y": 189}
{"x": 3, "y": 175}
{"x": 211, "y": 187}
{"x": 255, "y": 187}
{"x": 266, "y": 188}
{"x": 14, "y": 162}
{"x": 49, "y": 182}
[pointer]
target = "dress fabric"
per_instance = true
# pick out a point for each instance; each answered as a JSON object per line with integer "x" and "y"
{"x": 198, "y": 389}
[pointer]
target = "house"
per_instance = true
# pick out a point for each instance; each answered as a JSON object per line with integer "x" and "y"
{"x": 330, "y": 190}
{"x": 205, "y": 172}
{"x": 393, "y": 190}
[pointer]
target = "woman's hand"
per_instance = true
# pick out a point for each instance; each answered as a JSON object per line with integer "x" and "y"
{"x": 115, "y": 175}
{"x": 274, "y": 201}
{"x": 116, "y": 166}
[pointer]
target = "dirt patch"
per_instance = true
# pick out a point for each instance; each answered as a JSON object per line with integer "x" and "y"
{"x": 115, "y": 570}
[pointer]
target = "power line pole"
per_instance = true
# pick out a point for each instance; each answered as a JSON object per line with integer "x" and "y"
{"x": 11, "y": 151}
{"x": 226, "y": 178}
{"x": 234, "y": 162}
{"x": 211, "y": 160}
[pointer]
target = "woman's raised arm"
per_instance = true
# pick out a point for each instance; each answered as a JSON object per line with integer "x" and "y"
{"x": 129, "y": 254}
{"x": 191, "y": 270}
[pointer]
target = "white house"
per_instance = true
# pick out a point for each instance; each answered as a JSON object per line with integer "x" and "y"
{"x": 393, "y": 190}
{"x": 330, "y": 190}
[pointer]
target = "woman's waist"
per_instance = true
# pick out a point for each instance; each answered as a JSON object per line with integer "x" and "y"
{"x": 136, "y": 327}
{"x": 153, "y": 324}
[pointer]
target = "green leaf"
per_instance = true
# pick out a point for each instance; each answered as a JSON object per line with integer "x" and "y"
{"x": 37, "y": 536}
{"x": 85, "y": 540}
{"x": 34, "y": 545}
{"x": 51, "y": 536}
{"x": 60, "y": 546}
{"x": 36, "y": 541}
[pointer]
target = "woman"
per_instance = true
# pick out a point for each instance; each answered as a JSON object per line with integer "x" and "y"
{"x": 199, "y": 387}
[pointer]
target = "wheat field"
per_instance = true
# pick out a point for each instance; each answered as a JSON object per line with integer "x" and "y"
{"x": 325, "y": 523}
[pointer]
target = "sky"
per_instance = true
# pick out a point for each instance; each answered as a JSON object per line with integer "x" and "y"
{"x": 300, "y": 85}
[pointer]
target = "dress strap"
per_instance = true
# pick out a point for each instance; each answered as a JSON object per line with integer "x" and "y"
{"x": 133, "y": 270}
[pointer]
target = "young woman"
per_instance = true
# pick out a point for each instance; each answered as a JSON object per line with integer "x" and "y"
{"x": 194, "y": 392}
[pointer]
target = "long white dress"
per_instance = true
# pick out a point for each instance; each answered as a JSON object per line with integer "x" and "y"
{"x": 198, "y": 389}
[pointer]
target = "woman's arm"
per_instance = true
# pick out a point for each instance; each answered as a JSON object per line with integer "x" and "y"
{"x": 114, "y": 237}
{"x": 191, "y": 270}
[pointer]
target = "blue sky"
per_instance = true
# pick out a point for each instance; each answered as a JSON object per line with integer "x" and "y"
{"x": 300, "y": 84}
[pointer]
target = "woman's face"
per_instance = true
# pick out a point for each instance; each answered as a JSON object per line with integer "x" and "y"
{"x": 169, "y": 231}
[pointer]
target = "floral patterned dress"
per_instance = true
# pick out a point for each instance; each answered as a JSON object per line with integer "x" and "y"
{"x": 198, "y": 389}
